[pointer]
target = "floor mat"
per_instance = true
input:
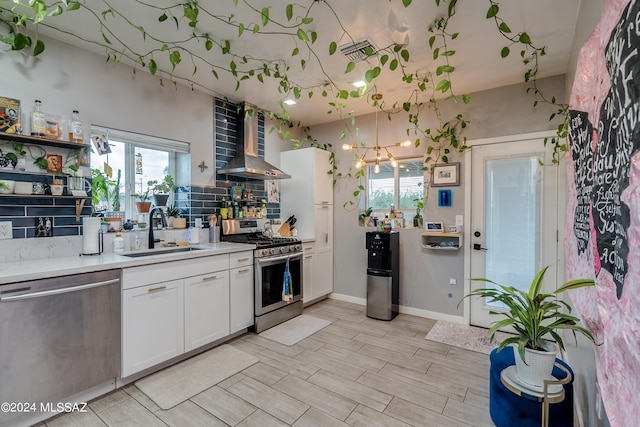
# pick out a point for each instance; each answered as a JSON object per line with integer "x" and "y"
{"x": 465, "y": 336}
{"x": 294, "y": 330}
{"x": 180, "y": 382}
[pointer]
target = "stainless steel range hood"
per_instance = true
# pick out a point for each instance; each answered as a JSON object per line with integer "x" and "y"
{"x": 246, "y": 162}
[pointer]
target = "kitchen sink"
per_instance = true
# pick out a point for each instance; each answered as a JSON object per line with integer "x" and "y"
{"x": 161, "y": 251}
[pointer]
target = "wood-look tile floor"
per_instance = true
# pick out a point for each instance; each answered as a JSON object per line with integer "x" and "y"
{"x": 355, "y": 372}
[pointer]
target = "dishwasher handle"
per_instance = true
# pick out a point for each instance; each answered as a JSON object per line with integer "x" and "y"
{"x": 50, "y": 292}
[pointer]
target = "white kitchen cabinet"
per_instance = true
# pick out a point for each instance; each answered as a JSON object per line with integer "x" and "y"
{"x": 206, "y": 309}
{"x": 241, "y": 291}
{"x": 152, "y": 325}
{"x": 310, "y": 186}
{"x": 309, "y": 196}
{"x": 241, "y": 298}
{"x": 308, "y": 264}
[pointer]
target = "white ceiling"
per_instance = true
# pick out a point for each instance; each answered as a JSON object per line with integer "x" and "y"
{"x": 479, "y": 66}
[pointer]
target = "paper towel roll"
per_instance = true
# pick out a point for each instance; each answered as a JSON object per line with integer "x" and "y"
{"x": 91, "y": 235}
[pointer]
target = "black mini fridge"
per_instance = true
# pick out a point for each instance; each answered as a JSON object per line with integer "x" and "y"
{"x": 383, "y": 284}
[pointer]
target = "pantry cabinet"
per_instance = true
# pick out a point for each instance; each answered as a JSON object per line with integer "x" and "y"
{"x": 309, "y": 196}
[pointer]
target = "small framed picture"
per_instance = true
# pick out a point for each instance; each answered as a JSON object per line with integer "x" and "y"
{"x": 446, "y": 174}
{"x": 54, "y": 163}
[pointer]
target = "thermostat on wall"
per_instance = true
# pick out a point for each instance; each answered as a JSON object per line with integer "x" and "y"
{"x": 434, "y": 226}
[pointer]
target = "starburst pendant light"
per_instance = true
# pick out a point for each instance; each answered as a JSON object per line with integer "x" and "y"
{"x": 378, "y": 148}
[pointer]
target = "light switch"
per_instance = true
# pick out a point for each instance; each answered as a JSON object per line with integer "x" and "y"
{"x": 459, "y": 220}
{"x": 6, "y": 230}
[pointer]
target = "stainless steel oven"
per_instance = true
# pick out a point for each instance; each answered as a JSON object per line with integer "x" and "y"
{"x": 271, "y": 256}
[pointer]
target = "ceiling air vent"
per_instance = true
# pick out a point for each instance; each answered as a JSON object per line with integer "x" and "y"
{"x": 356, "y": 52}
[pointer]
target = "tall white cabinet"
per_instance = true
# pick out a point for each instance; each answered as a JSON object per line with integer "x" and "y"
{"x": 309, "y": 196}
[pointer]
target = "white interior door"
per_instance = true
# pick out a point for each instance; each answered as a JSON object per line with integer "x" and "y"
{"x": 514, "y": 218}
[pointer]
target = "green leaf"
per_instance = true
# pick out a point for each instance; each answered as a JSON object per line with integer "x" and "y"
{"x": 106, "y": 40}
{"x": 260, "y": 78}
{"x": 163, "y": 17}
{"x": 454, "y": 36}
{"x": 153, "y": 67}
{"x": 384, "y": 59}
{"x": 493, "y": 11}
{"x": 73, "y": 5}
{"x": 208, "y": 44}
{"x": 436, "y": 53}
{"x": 289, "y": 12}
{"x": 504, "y": 27}
{"x": 164, "y": 47}
{"x": 307, "y": 20}
{"x": 405, "y": 55}
{"x": 444, "y": 69}
{"x": 302, "y": 35}
{"x": 466, "y": 98}
{"x": 240, "y": 29}
{"x": 406, "y": 106}
{"x": 314, "y": 37}
{"x": 303, "y": 63}
{"x": 406, "y": 3}
{"x": 295, "y": 52}
{"x": 215, "y": 73}
{"x": 432, "y": 40}
{"x": 393, "y": 64}
{"x": 443, "y": 85}
{"x": 39, "y": 48}
{"x": 524, "y": 38}
{"x": 350, "y": 67}
{"x": 505, "y": 52}
{"x": 57, "y": 11}
{"x": 144, "y": 33}
{"x": 256, "y": 28}
{"x": 332, "y": 48}
{"x": 296, "y": 92}
{"x": 344, "y": 94}
{"x": 448, "y": 53}
{"x": 265, "y": 16}
{"x": 174, "y": 58}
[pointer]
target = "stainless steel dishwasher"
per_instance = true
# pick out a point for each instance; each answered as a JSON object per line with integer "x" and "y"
{"x": 59, "y": 337}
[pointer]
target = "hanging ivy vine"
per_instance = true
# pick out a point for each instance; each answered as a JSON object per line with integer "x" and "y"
{"x": 429, "y": 91}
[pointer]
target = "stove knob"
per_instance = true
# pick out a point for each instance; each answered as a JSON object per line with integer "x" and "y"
{"x": 272, "y": 251}
{"x": 283, "y": 249}
{"x": 297, "y": 248}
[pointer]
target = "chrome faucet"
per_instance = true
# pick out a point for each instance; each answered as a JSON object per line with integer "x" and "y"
{"x": 153, "y": 241}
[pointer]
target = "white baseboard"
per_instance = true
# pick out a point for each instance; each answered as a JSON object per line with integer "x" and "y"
{"x": 405, "y": 310}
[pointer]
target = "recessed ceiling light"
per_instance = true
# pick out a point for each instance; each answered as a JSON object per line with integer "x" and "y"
{"x": 289, "y": 102}
{"x": 359, "y": 83}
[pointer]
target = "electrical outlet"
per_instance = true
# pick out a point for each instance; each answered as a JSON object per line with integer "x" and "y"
{"x": 6, "y": 230}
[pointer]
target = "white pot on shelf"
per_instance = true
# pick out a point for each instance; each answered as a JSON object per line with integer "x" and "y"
{"x": 538, "y": 366}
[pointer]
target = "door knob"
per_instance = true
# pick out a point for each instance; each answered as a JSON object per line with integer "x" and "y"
{"x": 477, "y": 247}
{"x": 476, "y": 234}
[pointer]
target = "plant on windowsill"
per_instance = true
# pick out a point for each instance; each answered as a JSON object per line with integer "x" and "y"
{"x": 417, "y": 218}
{"x": 162, "y": 189}
{"x": 533, "y": 315}
{"x": 173, "y": 212}
{"x": 363, "y": 217}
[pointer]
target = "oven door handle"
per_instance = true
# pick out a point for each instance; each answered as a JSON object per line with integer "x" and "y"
{"x": 262, "y": 261}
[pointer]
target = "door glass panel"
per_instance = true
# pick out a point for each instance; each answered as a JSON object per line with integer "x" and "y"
{"x": 512, "y": 192}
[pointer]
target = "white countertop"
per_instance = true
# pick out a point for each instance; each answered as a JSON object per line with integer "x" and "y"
{"x": 19, "y": 271}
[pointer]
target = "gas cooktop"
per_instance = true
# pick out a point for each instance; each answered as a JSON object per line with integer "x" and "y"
{"x": 260, "y": 240}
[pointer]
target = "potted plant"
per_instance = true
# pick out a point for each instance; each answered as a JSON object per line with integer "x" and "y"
{"x": 162, "y": 189}
{"x": 364, "y": 217}
{"x": 417, "y": 218}
{"x": 173, "y": 212}
{"x": 143, "y": 205}
{"x": 534, "y": 316}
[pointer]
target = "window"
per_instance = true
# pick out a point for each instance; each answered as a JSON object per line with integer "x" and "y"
{"x": 399, "y": 186}
{"x": 131, "y": 160}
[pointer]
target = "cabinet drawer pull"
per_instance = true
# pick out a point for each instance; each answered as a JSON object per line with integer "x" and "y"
{"x": 325, "y": 207}
{"x": 244, "y": 270}
{"x": 325, "y": 203}
{"x": 308, "y": 249}
{"x": 159, "y": 288}
{"x": 308, "y": 256}
{"x": 243, "y": 259}
{"x": 206, "y": 279}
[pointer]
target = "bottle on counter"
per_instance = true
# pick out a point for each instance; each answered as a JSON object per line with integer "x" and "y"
{"x": 118, "y": 243}
{"x": 229, "y": 210}
{"x": 236, "y": 210}
{"x": 386, "y": 225}
{"x": 38, "y": 121}
{"x": 138, "y": 242}
{"x": 223, "y": 209}
{"x": 263, "y": 210}
{"x": 75, "y": 128}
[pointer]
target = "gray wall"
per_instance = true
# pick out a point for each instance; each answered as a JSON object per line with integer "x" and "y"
{"x": 424, "y": 273}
